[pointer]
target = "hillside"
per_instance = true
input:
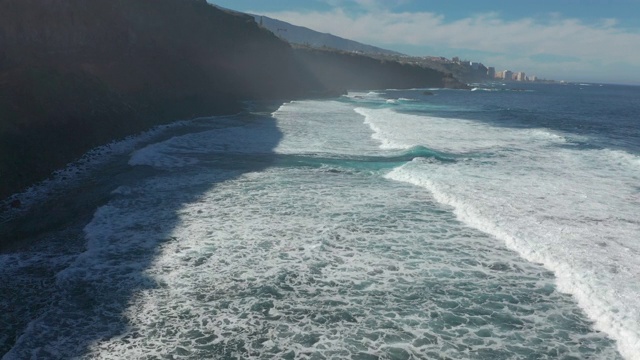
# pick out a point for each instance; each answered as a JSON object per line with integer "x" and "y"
{"x": 76, "y": 74}
{"x": 304, "y": 36}
{"x": 343, "y": 70}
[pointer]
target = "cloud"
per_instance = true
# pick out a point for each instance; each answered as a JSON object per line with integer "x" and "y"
{"x": 518, "y": 40}
{"x": 367, "y": 4}
{"x": 554, "y": 59}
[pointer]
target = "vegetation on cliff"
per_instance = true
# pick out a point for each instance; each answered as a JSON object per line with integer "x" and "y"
{"x": 344, "y": 70}
{"x": 75, "y": 74}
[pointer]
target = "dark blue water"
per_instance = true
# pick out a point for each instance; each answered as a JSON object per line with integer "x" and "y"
{"x": 609, "y": 115}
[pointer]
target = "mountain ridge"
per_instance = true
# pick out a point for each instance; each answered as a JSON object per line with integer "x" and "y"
{"x": 301, "y": 35}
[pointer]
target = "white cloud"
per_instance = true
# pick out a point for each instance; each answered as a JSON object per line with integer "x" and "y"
{"x": 513, "y": 40}
{"x": 367, "y": 4}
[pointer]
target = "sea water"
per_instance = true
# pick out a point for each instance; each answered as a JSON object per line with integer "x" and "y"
{"x": 499, "y": 223}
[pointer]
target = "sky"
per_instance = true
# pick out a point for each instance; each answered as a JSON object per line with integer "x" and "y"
{"x": 572, "y": 40}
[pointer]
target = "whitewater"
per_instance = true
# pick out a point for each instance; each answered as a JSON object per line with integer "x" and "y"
{"x": 391, "y": 224}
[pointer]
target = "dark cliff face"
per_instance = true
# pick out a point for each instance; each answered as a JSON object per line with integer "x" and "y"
{"x": 340, "y": 70}
{"x": 75, "y": 74}
{"x": 173, "y": 46}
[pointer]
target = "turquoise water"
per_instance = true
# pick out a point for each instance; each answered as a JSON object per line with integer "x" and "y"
{"x": 377, "y": 225}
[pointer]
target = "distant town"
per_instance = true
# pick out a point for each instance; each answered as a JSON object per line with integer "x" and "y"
{"x": 477, "y": 71}
{"x": 492, "y": 73}
{"x": 464, "y": 70}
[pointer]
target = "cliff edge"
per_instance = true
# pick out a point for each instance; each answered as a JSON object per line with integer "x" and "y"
{"x": 76, "y": 74}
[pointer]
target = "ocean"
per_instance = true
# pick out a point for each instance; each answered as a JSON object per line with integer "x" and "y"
{"x": 497, "y": 223}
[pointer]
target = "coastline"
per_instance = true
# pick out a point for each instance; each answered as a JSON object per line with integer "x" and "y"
{"x": 74, "y": 190}
{"x": 51, "y": 233}
{"x": 60, "y": 97}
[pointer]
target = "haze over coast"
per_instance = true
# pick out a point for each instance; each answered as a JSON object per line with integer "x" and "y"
{"x": 74, "y": 75}
{"x": 580, "y": 41}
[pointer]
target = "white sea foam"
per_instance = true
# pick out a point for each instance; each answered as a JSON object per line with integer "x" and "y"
{"x": 315, "y": 268}
{"x": 575, "y": 211}
{"x": 70, "y": 174}
{"x": 485, "y": 89}
{"x": 328, "y": 127}
{"x": 620, "y": 157}
{"x": 402, "y": 131}
{"x": 186, "y": 150}
{"x": 369, "y": 95}
{"x": 287, "y": 252}
{"x": 292, "y": 261}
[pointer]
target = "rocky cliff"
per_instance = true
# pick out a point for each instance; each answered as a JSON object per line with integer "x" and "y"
{"x": 75, "y": 74}
{"x": 343, "y": 70}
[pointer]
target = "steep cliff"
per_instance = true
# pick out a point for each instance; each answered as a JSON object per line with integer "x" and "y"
{"x": 75, "y": 74}
{"x": 343, "y": 70}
